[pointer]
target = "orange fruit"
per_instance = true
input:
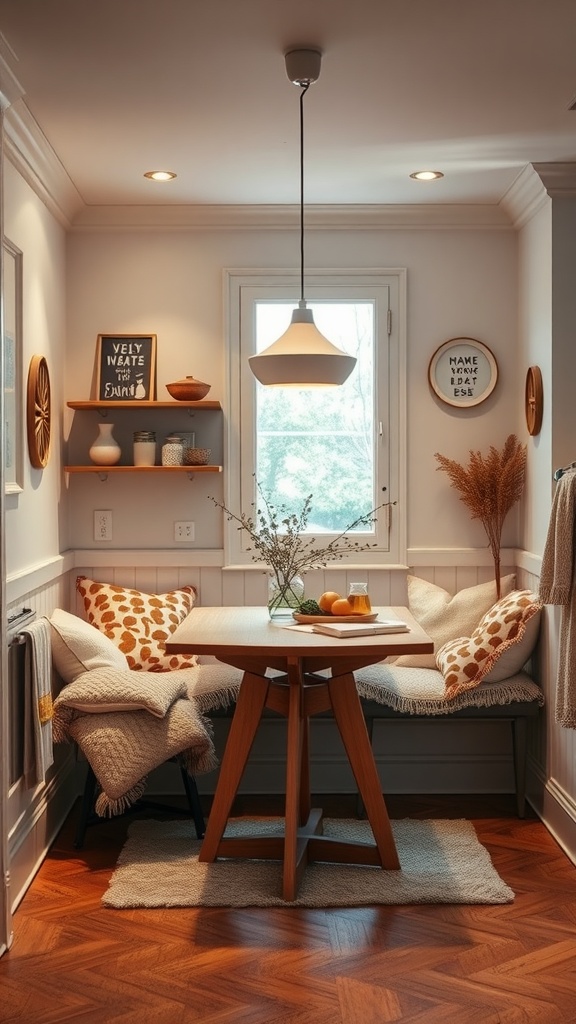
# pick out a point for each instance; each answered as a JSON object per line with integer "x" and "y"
{"x": 327, "y": 600}
{"x": 342, "y": 607}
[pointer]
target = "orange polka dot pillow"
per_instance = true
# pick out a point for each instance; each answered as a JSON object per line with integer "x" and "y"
{"x": 139, "y": 624}
{"x": 498, "y": 648}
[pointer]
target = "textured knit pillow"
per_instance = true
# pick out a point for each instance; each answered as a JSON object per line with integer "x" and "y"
{"x": 138, "y": 623}
{"x": 466, "y": 661}
{"x": 78, "y": 647}
{"x": 108, "y": 689}
{"x": 443, "y": 617}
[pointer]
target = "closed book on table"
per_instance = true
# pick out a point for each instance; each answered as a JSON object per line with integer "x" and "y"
{"x": 346, "y": 629}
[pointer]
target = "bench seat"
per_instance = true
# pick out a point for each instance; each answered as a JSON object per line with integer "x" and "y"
{"x": 401, "y": 693}
{"x": 398, "y": 693}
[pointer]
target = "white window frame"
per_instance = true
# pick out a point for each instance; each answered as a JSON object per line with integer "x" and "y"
{"x": 242, "y": 287}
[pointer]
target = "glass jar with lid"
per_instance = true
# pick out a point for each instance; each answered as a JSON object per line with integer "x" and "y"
{"x": 173, "y": 451}
{"x": 144, "y": 448}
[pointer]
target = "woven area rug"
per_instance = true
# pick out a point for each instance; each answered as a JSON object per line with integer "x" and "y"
{"x": 441, "y": 862}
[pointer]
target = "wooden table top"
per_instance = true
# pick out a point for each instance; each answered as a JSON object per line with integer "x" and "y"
{"x": 237, "y": 630}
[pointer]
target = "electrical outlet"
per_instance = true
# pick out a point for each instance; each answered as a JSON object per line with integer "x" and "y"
{"x": 183, "y": 531}
{"x": 103, "y": 524}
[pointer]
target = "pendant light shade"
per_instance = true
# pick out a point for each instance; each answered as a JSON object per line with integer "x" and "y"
{"x": 302, "y": 356}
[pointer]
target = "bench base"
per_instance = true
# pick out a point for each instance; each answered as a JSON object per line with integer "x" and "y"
{"x": 516, "y": 714}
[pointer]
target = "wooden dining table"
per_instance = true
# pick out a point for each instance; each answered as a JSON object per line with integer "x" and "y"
{"x": 316, "y": 676}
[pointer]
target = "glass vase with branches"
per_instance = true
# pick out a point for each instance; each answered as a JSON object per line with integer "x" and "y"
{"x": 280, "y": 539}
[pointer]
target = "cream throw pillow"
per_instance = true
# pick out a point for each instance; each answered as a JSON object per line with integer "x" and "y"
{"x": 467, "y": 660}
{"x": 78, "y": 647}
{"x": 445, "y": 617}
{"x": 139, "y": 623}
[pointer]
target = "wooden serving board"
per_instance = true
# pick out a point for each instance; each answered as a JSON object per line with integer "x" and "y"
{"x": 334, "y": 618}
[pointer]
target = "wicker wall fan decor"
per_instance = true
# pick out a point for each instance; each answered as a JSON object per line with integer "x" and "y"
{"x": 38, "y": 412}
{"x": 534, "y": 400}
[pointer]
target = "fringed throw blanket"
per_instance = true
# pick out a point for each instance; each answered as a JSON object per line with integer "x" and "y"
{"x": 38, "y": 751}
{"x": 421, "y": 691}
{"x": 557, "y": 586}
{"x": 127, "y": 723}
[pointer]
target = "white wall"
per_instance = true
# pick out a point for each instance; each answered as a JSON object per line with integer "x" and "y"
{"x": 535, "y": 349}
{"x": 460, "y": 282}
{"x": 563, "y": 323}
{"x": 34, "y": 517}
{"x": 547, "y": 246}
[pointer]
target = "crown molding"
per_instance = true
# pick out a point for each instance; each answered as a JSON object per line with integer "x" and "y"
{"x": 274, "y": 217}
{"x": 535, "y": 185}
{"x": 559, "y": 179}
{"x": 525, "y": 197}
{"x": 29, "y": 151}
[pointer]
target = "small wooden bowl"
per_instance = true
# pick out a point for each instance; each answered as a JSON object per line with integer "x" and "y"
{"x": 188, "y": 389}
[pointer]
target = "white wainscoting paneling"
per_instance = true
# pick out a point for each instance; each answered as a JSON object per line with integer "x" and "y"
{"x": 36, "y": 815}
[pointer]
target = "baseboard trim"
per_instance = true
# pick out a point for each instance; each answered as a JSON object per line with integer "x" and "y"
{"x": 37, "y": 827}
{"x": 557, "y": 809}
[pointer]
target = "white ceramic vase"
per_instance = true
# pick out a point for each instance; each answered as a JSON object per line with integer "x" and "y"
{"x": 105, "y": 450}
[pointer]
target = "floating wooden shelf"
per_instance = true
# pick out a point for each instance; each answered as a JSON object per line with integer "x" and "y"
{"x": 95, "y": 405}
{"x": 102, "y": 406}
{"x": 142, "y": 469}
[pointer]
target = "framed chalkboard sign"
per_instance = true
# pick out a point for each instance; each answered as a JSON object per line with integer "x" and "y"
{"x": 126, "y": 367}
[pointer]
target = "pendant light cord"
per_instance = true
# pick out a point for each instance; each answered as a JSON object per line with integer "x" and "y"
{"x": 302, "y": 94}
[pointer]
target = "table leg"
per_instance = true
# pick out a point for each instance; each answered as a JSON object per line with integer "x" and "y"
{"x": 305, "y": 797}
{"x": 350, "y": 721}
{"x": 300, "y": 821}
{"x": 249, "y": 707}
{"x": 294, "y": 743}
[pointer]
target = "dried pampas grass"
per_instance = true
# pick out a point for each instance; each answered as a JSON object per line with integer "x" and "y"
{"x": 489, "y": 487}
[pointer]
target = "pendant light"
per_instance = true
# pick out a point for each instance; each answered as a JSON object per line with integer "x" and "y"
{"x": 302, "y": 356}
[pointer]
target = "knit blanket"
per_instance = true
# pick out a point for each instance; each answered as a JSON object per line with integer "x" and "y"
{"x": 123, "y": 747}
{"x": 127, "y": 723}
{"x": 557, "y": 579}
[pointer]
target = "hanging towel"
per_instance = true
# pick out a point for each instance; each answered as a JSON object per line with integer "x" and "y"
{"x": 558, "y": 586}
{"x": 38, "y": 750}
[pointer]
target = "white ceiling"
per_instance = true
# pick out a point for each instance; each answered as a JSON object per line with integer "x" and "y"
{"x": 474, "y": 89}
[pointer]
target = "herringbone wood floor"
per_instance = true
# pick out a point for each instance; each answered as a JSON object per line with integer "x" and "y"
{"x": 72, "y": 960}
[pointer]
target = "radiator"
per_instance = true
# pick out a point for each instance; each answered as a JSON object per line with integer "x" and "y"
{"x": 16, "y": 654}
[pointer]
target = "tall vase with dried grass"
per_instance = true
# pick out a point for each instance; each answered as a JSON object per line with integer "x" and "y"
{"x": 489, "y": 487}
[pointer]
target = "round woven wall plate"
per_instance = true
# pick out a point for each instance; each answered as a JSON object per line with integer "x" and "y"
{"x": 38, "y": 412}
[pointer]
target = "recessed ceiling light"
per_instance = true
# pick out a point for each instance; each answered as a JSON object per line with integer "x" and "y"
{"x": 160, "y": 175}
{"x": 426, "y": 175}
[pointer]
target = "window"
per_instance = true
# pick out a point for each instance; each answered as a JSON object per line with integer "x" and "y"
{"x": 342, "y": 445}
